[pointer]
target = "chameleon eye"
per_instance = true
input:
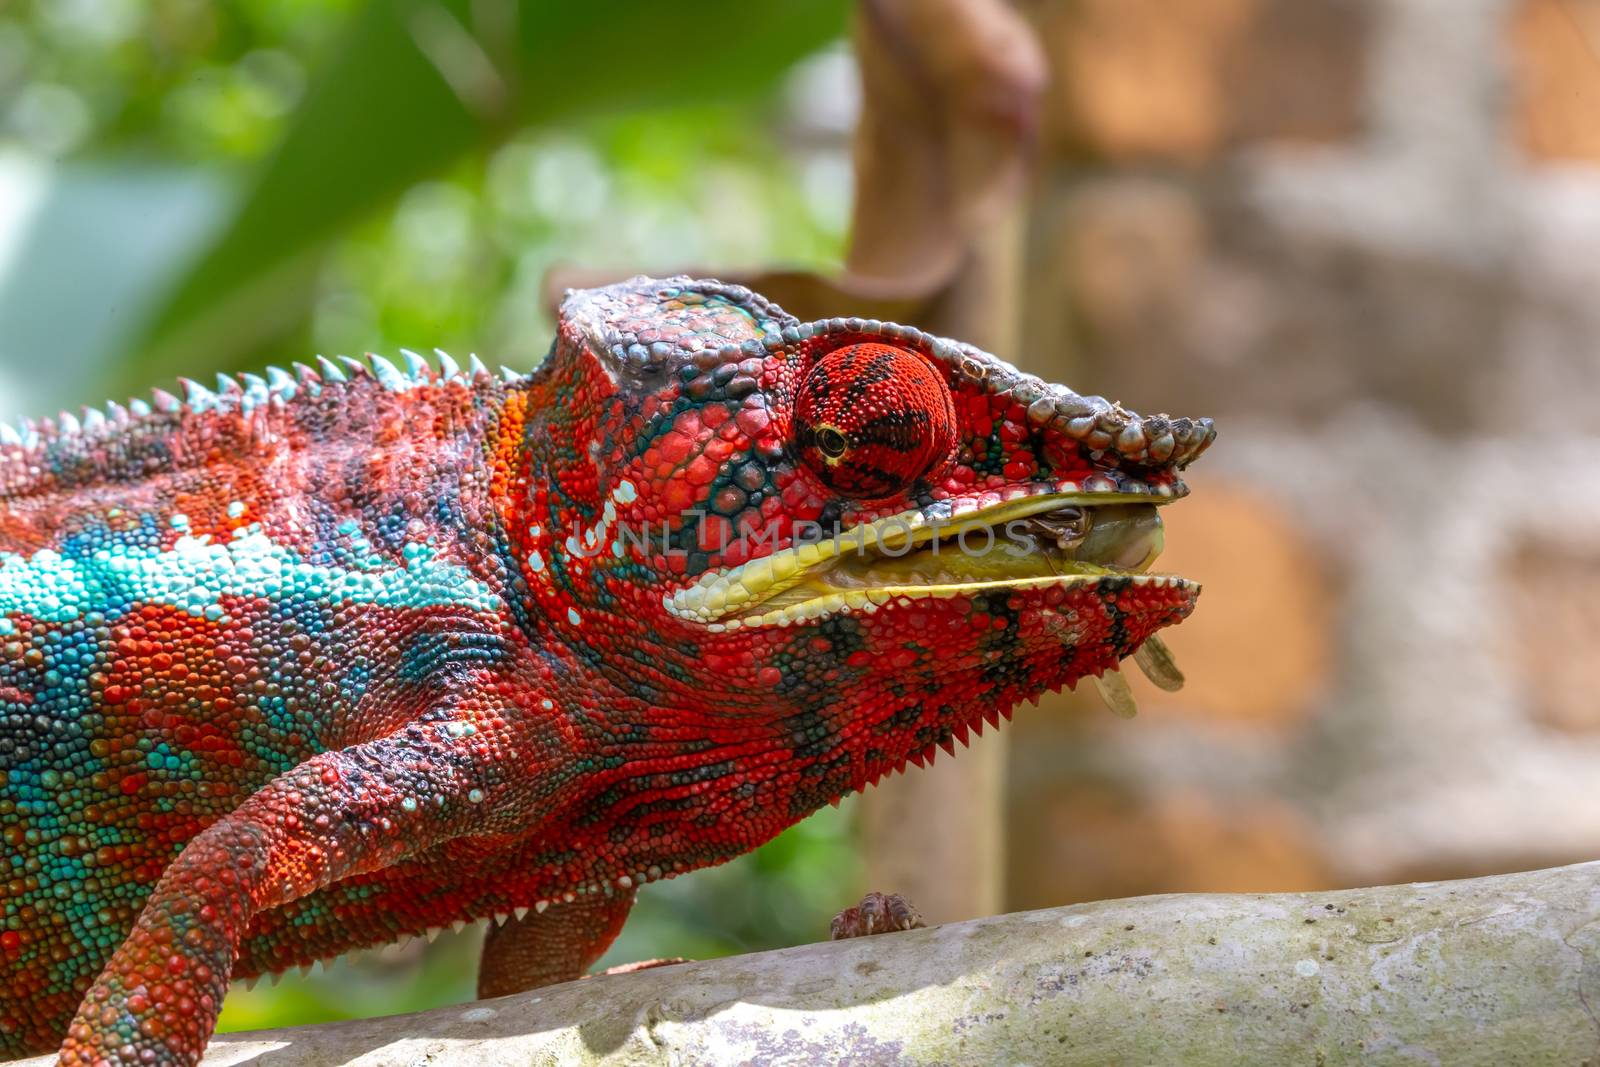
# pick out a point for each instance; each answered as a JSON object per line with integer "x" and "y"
{"x": 871, "y": 419}
{"x": 833, "y": 443}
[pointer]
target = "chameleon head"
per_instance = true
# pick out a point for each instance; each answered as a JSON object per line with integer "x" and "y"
{"x": 862, "y": 538}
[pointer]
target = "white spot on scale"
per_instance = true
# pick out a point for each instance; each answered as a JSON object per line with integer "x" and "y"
{"x": 625, "y": 493}
{"x": 572, "y": 617}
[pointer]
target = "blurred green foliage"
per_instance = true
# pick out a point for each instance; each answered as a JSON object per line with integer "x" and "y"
{"x": 404, "y": 172}
{"x": 187, "y": 80}
{"x": 416, "y": 85}
{"x": 376, "y": 203}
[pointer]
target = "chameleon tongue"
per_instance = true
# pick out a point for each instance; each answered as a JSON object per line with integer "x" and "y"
{"x": 1115, "y": 692}
{"x": 1155, "y": 659}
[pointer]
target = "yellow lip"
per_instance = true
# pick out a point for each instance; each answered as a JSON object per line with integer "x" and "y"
{"x": 903, "y": 556}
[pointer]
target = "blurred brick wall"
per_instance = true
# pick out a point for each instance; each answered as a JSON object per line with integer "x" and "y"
{"x": 1365, "y": 236}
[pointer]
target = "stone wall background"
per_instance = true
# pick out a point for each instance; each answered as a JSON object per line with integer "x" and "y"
{"x": 1364, "y": 235}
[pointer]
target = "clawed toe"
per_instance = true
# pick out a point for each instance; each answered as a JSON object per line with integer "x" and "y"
{"x": 878, "y": 913}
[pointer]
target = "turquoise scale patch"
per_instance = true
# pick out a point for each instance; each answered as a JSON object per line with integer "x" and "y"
{"x": 195, "y": 574}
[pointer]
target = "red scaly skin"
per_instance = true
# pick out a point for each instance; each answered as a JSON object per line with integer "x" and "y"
{"x": 310, "y": 664}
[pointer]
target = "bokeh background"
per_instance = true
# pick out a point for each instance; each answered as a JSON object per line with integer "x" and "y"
{"x": 1364, "y": 235}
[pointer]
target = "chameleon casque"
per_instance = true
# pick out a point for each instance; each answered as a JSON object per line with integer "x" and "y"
{"x": 315, "y": 661}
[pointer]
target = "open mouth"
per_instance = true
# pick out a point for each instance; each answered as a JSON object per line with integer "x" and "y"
{"x": 1053, "y": 539}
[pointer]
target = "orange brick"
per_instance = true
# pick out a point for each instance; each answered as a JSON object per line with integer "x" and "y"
{"x": 1093, "y": 841}
{"x": 1259, "y": 647}
{"x": 1140, "y": 78}
{"x": 1178, "y": 80}
{"x": 1553, "y": 596}
{"x": 1129, "y": 251}
{"x": 1555, "y": 47}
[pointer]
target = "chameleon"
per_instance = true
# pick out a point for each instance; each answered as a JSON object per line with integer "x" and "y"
{"x": 319, "y": 659}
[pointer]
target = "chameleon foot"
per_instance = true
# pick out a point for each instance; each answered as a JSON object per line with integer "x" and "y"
{"x": 878, "y": 913}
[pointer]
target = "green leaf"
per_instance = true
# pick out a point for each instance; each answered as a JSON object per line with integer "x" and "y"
{"x": 411, "y": 87}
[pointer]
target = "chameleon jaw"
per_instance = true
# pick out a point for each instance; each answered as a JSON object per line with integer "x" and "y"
{"x": 912, "y": 556}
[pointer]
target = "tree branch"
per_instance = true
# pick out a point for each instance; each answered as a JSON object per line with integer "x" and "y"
{"x": 1493, "y": 970}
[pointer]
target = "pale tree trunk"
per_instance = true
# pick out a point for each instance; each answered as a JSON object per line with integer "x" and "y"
{"x": 1500, "y": 970}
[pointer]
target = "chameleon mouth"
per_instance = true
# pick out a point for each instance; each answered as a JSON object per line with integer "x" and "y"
{"x": 1042, "y": 541}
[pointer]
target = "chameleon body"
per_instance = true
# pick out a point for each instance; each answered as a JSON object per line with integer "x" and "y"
{"x": 315, "y": 661}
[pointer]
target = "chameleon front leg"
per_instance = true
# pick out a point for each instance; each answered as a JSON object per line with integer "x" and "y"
{"x": 558, "y": 944}
{"x": 337, "y": 814}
